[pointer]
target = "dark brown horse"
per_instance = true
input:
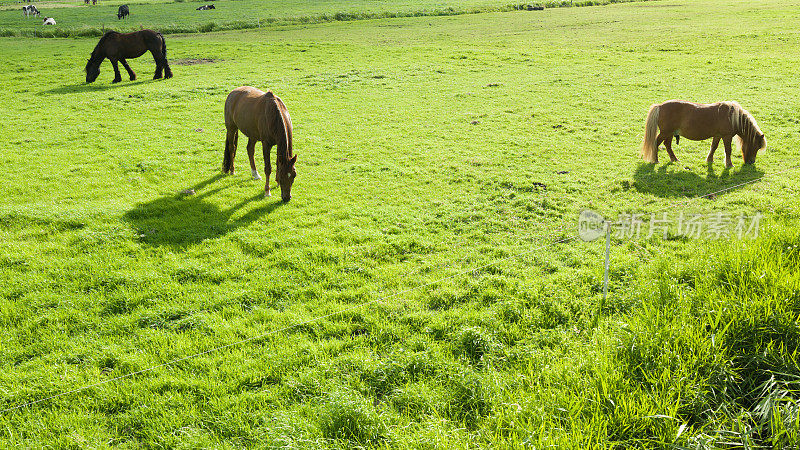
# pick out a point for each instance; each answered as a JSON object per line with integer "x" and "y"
{"x": 261, "y": 116}
{"x": 696, "y": 121}
{"x": 119, "y": 47}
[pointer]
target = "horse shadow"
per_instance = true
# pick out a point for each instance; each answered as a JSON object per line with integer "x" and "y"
{"x": 181, "y": 220}
{"x": 656, "y": 180}
{"x": 93, "y": 87}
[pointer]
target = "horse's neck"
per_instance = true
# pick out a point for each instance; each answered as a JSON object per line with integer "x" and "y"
{"x": 281, "y": 135}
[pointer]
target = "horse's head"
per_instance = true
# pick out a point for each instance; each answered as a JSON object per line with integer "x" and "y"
{"x": 759, "y": 143}
{"x": 92, "y": 71}
{"x": 751, "y": 146}
{"x": 285, "y": 177}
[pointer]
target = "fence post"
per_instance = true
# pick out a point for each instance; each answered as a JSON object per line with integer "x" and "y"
{"x": 591, "y": 226}
{"x": 605, "y": 275}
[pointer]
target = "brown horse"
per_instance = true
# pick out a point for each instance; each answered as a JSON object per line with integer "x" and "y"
{"x": 261, "y": 116}
{"x": 696, "y": 121}
{"x": 119, "y": 47}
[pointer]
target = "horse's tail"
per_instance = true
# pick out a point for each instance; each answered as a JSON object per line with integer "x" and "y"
{"x": 649, "y": 149}
{"x": 231, "y": 142}
{"x": 164, "y": 62}
{"x": 163, "y": 45}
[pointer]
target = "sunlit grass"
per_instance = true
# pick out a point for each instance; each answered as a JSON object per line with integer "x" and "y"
{"x": 426, "y": 147}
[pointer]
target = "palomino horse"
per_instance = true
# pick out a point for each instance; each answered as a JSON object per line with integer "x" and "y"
{"x": 119, "y": 47}
{"x": 261, "y": 116}
{"x": 696, "y": 121}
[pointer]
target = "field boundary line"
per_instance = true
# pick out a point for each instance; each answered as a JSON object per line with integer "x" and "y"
{"x": 361, "y": 305}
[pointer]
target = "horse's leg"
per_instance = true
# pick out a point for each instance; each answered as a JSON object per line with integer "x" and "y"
{"x": 662, "y": 137}
{"x": 267, "y": 167}
{"x": 131, "y": 73}
{"x": 117, "y": 76}
{"x": 727, "y": 141}
{"x": 668, "y": 145}
{"x": 251, "y": 149}
{"x": 159, "y": 66}
{"x": 714, "y": 145}
{"x": 251, "y": 153}
{"x": 231, "y": 141}
{"x": 167, "y": 70}
{"x": 160, "y": 55}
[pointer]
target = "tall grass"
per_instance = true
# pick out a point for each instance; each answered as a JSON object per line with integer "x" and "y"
{"x": 708, "y": 359}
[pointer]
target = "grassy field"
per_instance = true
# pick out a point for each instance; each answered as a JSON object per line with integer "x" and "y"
{"x": 75, "y": 19}
{"x": 427, "y": 147}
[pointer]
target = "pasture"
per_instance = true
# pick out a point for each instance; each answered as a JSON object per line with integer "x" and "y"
{"x": 76, "y": 19}
{"x": 440, "y": 161}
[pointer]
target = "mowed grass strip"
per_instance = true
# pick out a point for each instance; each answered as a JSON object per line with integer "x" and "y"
{"x": 74, "y": 19}
{"x": 426, "y": 146}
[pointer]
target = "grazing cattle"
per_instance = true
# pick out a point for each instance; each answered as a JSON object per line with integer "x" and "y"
{"x": 119, "y": 47}
{"x": 697, "y": 121}
{"x": 30, "y": 10}
{"x": 123, "y": 11}
{"x": 49, "y": 21}
{"x": 261, "y": 116}
{"x": 206, "y": 7}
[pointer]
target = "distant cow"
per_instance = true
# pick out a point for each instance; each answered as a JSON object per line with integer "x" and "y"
{"x": 123, "y": 11}
{"x": 49, "y": 21}
{"x": 30, "y": 10}
{"x": 205, "y": 7}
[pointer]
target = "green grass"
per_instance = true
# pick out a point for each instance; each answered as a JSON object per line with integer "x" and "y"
{"x": 76, "y": 20}
{"x": 424, "y": 144}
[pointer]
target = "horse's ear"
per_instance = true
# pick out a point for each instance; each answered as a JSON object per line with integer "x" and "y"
{"x": 293, "y": 160}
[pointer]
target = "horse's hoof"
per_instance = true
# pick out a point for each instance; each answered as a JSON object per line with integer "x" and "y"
{"x": 267, "y": 194}
{"x": 256, "y": 176}
{"x": 115, "y": 81}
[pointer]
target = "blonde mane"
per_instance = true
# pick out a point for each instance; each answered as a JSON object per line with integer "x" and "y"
{"x": 748, "y": 135}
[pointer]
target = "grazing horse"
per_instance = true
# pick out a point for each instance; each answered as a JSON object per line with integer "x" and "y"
{"x": 123, "y": 11}
{"x": 119, "y": 47}
{"x": 261, "y": 116}
{"x": 698, "y": 122}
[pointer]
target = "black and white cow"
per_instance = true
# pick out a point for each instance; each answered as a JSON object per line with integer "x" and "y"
{"x": 30, "y": 10}
{"x": 206, "y": 7}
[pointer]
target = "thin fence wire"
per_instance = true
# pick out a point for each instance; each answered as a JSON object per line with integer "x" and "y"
{"x": 364, "y": 304}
